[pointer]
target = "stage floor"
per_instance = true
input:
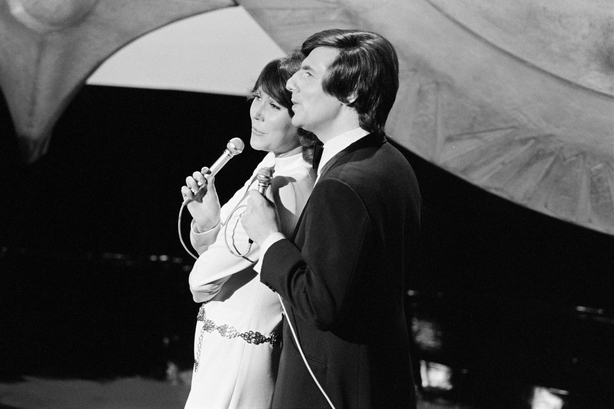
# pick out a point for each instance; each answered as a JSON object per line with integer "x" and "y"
{"x": 125, "y": 393}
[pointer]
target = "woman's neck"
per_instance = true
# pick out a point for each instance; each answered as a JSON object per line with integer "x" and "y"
{"x": 291, "y": 152}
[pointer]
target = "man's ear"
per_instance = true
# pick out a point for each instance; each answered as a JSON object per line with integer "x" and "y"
{"x": 352, "y": 97}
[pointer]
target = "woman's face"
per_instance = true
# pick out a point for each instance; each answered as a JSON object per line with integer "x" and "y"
{"x": 272, "y": 128}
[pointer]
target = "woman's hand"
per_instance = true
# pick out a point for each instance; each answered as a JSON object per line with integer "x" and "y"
{"x": 203, "y": 204}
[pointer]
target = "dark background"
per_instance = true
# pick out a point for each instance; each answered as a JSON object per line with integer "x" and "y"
{"x": 93, "y": 278}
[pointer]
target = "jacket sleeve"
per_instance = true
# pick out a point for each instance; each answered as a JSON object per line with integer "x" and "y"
{"x": 317, "y": 279}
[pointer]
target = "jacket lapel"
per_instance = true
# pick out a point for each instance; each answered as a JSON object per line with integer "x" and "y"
{"x": 371, "y": 140}
{"x": 368, "y": 141}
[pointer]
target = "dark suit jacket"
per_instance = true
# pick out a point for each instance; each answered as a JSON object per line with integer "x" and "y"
{"x": 342, "y": 279}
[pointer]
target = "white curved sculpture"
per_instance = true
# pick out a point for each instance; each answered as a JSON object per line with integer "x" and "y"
{"x": 514, "y": 97}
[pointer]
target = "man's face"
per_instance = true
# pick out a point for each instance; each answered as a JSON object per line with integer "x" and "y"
{"x": 314, "y": 110}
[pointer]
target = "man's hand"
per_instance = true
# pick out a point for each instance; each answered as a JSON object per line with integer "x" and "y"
{"x": 260, "y": 218}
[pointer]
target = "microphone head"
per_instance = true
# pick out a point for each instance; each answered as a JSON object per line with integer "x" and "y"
{"x": 265, "y": 174}
{"x": 264, "y": 177}
{"x": 235, "y": 146}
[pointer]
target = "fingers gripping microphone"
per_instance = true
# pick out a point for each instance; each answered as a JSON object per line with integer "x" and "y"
{"x": 264, "y": 179}
{"x": 233, "y": 148}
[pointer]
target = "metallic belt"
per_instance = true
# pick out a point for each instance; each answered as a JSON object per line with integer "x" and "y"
{"x": 251, "y": 337}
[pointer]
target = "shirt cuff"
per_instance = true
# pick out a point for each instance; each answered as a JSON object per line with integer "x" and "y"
{"x": 268, "y": 242}
{"x": 201, "y": 241}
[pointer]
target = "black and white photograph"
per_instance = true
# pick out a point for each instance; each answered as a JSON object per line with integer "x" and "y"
{"x": 285, "y": 204}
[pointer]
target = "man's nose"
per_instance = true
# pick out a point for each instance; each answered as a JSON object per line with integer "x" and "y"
{"x": 291, "y": 83}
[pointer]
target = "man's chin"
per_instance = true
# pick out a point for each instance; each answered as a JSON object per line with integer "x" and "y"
{"x": 297, "y": 122}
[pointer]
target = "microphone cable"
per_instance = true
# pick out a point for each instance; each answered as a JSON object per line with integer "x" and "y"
{"x": 234, "y": 252}
{"x": 262, "y": 187}
{"x": 233, "y": 148}
{"x": 183, "y": 205}
{"x": 300, "y": 350}
{"x": 263, "y": 176}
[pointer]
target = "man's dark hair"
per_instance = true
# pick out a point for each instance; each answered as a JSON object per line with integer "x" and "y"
{"x": 365, "y": 74}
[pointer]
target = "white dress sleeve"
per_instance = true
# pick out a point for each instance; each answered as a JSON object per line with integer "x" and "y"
{"x": 227, "y": 250}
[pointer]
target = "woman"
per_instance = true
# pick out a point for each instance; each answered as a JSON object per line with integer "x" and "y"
{"x": 237, "y": 339}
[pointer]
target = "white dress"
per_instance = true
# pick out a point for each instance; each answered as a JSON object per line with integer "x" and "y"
{"x": 235, "y": 368}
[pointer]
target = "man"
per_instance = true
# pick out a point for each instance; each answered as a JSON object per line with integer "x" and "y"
{"x": 342, "y": 274}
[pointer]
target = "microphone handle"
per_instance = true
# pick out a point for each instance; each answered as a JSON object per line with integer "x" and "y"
{"x": 213, "y": 170}
{"x": 219, "y": 163}
{"x": 262, "y": 188}
{"x": 264, "y": 179}
{"x": 233, "y": 147}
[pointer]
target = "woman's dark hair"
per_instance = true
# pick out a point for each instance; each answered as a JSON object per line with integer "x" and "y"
{"x": 272, "y": 80}
{"x": 365, "y": 74}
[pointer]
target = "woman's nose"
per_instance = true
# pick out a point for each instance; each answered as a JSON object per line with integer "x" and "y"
{"x": 256, "y": 110}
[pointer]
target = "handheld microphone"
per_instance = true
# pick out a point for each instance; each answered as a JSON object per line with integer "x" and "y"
{"x": 264, "y": 179}
{"x": 233, "y": 148}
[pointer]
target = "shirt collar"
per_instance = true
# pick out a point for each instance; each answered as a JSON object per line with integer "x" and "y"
{"x": 289, "y": 159}
{"x": 339, "y": 143}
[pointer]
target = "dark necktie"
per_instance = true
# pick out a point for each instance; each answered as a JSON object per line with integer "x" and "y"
{"x": 317, "y": 155}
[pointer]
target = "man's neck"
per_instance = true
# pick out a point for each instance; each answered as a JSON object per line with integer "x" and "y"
{"x": 342, "y": 124}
